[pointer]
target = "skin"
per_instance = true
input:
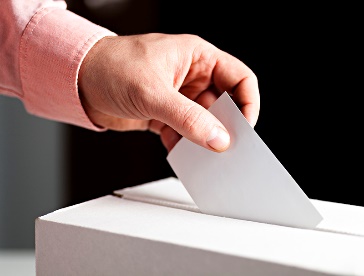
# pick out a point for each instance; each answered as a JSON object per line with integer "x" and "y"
{"x": 165, "y": 83}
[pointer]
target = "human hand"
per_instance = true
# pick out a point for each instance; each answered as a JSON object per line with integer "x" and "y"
{"x": 165, "y": 83}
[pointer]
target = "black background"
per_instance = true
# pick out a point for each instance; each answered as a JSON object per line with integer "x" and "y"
{"x": 307, "y": 62}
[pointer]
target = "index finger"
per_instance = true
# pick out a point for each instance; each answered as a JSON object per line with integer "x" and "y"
{"x": 232, "y": 75}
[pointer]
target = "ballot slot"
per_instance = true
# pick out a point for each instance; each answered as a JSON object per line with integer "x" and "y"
{"x": 161, "y": 202}
{"x": 169, "y": 192}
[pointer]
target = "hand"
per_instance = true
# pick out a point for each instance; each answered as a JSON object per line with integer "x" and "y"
{"x": 165, "y": 83}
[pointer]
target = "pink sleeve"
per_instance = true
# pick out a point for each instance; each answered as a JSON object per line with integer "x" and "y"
{"x": 41, "y": 49}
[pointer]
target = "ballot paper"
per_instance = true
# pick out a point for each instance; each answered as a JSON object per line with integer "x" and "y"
{"x": 246, "y": 181}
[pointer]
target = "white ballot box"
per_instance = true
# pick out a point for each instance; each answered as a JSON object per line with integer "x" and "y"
{"x": 156, "y": 229}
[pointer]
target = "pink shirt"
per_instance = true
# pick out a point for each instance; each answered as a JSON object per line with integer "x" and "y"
{"x": 42, "y": 46}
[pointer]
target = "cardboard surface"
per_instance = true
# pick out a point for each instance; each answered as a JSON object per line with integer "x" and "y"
{"x": 155, "y": 229}
{"x": 246, "y": 181}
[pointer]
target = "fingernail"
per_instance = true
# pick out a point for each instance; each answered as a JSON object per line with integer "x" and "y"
{"x": 218, "y": 139}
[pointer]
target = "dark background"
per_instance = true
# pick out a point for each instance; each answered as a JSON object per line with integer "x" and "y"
{"x": 306, "y": 59}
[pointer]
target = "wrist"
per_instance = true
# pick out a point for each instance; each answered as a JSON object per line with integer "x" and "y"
{"x": 88, "y": 76}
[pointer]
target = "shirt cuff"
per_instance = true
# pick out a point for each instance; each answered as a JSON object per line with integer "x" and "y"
{"x": 52, "y": 48}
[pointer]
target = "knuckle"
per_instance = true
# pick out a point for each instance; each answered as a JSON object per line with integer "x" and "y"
{"x": 191, "y": 119}
{"x": 253, "y": 76}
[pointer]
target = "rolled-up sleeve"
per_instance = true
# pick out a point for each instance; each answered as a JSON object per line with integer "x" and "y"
{"x": 41, "y": 50}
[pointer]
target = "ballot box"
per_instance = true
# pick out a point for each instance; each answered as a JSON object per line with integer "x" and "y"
{"x": 156, "y": 229}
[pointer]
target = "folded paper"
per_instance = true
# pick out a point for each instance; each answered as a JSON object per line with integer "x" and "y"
{"x": 246, "y": 181}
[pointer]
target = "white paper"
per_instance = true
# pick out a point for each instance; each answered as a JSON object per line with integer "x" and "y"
{"x": 246, "y": 181}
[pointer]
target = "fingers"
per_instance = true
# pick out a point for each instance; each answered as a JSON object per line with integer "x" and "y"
{"x": 169, "y": 137}
{"x": 206, "y": 98}
{"x": 192, "y": 121}
{"x": 246, "y": 96}
{"x": 156, "y": 126}
{"x": 114, "y": 123}
{"x": 235, "y": 77}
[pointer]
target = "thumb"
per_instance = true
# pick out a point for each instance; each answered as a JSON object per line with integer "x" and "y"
{"x": 194, "y": 122}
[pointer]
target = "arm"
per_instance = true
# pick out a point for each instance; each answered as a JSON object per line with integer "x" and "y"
{"x": 42, "y": 46}
{"x": 157, "y": 82}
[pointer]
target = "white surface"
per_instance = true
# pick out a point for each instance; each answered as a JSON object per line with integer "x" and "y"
{"x": 111, "y": 234}
{"x": 17, "y": 262}
{"x": 246, "y": 181}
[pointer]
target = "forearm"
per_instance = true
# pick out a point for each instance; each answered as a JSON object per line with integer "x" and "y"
{"x": 41, "y": 49}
